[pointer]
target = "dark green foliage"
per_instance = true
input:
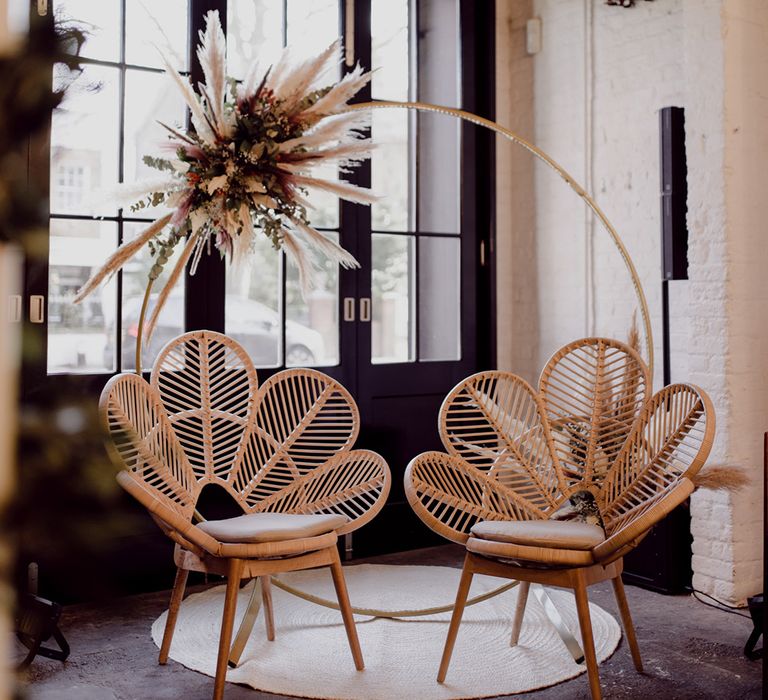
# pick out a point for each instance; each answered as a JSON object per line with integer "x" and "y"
{"x": 68, "y": 510}
{"x": 158, "y": 163}
{"x": 26, "y": 102}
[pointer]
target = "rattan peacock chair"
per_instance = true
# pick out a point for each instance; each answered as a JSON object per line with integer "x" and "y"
{"x": 517, "y": 457}
{"x": 282, "y": 451}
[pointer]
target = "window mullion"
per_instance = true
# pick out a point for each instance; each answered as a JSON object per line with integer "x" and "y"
{"x": 118, "y": 326}
{"x": 206, "y": 289}
{"x": 413, "y": 147}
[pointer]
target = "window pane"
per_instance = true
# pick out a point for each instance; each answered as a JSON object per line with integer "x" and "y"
{"x": 392, "y": 275}
{"x": 254, "y": 34}
{"x": 312, "y": 324}
{"x": 439, "y": 173}
{"x": 390, "y": 164}
{"x": 171, "y": 321}
{"x": 159, "y": 25}
{"x": 389, "y": 50}
{"x": 439, "y": 71}
{"x": 390, "y": 170}
{"x": 149, "y": 98}
{"x": 84, "y": 143}
{"x": 252, "y": 307}
{"x": 438, "y": 53}
{"x": 79, "y": 334}
{"x": 101, "y": 21}
{"x": 439, "y": 299}
{"x": 312, "y": 26}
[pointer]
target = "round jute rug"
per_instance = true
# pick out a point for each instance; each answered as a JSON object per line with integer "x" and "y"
{"x": 310, "y": 656}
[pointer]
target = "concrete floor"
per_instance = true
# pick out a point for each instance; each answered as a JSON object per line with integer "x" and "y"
{"x": 689, "y": 651}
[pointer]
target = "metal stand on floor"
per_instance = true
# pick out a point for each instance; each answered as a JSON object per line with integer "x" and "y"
{"x": 756, "y": 611}
{"x": 37, "y": 622}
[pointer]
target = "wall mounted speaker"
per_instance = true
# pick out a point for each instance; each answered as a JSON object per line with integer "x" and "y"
{"x": 674, "y": 194}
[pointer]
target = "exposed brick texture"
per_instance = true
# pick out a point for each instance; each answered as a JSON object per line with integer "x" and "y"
{"x": 517, "y": 323}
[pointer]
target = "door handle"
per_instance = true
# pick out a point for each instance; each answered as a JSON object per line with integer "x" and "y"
{"x": 349, "y": 308}
{"x": 14, "y": 308}
{"x": 365, "y": 309}
{"x": 37, "y": 308}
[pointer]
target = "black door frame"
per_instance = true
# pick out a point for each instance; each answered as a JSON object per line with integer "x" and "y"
{"x": 422, "y": 385}
{"x": 205, "y": 291}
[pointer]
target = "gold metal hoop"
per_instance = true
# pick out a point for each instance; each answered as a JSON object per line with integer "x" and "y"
{"x": 544, "y": 158}
{"x": 562, "y": 172}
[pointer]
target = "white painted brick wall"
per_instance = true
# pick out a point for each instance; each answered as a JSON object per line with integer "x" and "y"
{"x": 635, "y": 73}
{"x": 515, "y": 254}
{"x": 559, "y": 131}
{"x": 745, "y": 35}
{"x": 709, "y": 56}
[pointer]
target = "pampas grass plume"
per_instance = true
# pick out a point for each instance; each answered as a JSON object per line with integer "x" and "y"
{"x": 721, "y": 477}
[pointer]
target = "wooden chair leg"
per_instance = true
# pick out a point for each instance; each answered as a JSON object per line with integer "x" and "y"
{"x": 587, "y": 641}
{"x": 266, "y": 598}
{"x": 346, "y": 610}
{"x": 227, "y": 620}
{"x": 626, "y": 619}
{"x": 522, "y": 597}
{"x": 246, "y": 626}
{"x": 458, "y": 611}
{"x": 173, "y": 612}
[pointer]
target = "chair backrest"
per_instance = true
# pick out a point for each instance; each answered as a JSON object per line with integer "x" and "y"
{"x": 517, "y": 454}
{"x": 593, "y": 390}
{"x": 495, "y": 422}
{"x": 669, "y": 443}
{"x": 203, "y": 419}
{"x": 207, "y": 385}
{"x": 155, "y": 469}
{"x": 144, "y": 444}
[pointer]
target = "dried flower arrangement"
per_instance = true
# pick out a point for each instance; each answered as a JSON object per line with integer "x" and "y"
{"x": 246, "y": 165}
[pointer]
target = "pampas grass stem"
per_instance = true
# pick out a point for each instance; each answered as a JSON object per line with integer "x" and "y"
{"x": 339, "y": 94}
{"x": 633, "y": 337}
{"x": 352, "y": 193}
{"x": 325, "y": 245}
{"x": 199, "y": 118}
{"x": 721, "y": 477}
{"x": 124, "y": 253}
{"x": 212, "y": 56}
{"x": 298, "y": 255}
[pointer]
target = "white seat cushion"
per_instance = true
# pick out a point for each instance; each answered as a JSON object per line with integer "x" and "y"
{"x": 271, "y": 527}
{"x": 559, "y": 534}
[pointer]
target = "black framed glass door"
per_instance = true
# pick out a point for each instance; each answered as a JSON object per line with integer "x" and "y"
{"x": 400, "y": 331}
{"x": 425, "y": 277}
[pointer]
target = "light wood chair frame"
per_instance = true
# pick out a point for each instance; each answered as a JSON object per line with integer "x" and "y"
{"x": 284, "y": 447}
{"x": 514, "y": 453}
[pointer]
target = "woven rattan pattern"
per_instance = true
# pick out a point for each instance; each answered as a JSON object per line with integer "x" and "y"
{"x": 282, "y": 447}
{"x": 516, "y": 454}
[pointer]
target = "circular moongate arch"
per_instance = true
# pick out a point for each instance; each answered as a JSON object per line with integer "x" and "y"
{"x": 581, "y": 192}
{"x": 562, "y": 172}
